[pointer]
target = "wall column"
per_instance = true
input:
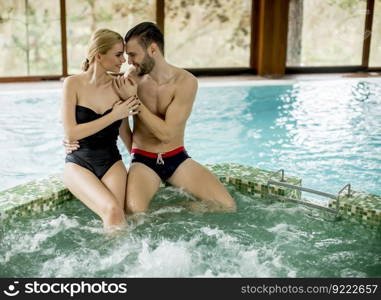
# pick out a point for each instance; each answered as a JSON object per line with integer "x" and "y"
{"x": 270, "y": 37}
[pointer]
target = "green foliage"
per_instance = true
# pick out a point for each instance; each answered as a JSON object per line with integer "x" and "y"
{"x": 214, "y": 11}
{"x": 5, "y": 13}
{"x": 32, "y": 31}
{"x": 348, "y": 5}
{"x": 19, "y": 43}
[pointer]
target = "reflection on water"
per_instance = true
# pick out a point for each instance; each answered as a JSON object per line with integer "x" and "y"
{"x": 326, "y": 132}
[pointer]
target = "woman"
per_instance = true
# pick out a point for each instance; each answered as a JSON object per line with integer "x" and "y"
{"x": 94, "y": 115}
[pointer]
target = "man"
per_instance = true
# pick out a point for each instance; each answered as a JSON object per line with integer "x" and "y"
{"x": 167, "y": 94}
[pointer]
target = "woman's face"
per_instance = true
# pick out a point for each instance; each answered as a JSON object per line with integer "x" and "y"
{"x": 114, "y": 58}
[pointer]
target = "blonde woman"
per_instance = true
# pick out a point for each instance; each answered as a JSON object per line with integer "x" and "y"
{"x": 94, "y": 115}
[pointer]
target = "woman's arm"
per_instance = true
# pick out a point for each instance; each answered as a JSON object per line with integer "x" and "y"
{"x": 126, "y": 134}
{"x": 74, "y": 131}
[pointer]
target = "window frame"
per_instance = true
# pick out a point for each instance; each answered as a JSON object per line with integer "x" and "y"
{"x": 263, "y": 12}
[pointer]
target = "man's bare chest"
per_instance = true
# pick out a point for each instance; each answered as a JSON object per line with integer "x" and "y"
{"x": 156, "y": 98}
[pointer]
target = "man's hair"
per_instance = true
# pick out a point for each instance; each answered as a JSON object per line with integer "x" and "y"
{"x": 147, "y": 33}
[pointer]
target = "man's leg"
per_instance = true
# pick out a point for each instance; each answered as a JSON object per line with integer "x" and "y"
{"x": 142, "y": 184}
{"x": 200, "y": 182}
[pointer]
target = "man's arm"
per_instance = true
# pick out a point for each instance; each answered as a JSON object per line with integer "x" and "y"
{"x": 177, "y": 112}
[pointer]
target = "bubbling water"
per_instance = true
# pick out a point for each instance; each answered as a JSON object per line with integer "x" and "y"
{"x": 262, "y": 239}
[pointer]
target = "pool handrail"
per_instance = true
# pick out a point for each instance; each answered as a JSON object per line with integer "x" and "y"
{"x": 283, "y": 183}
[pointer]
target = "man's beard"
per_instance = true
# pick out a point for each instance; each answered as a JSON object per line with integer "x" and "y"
{"x": 146, "y": 65}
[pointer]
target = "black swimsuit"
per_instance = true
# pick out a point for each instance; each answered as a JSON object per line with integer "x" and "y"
{"x": 97, "y": 152}
{"x": 163, "y": 164}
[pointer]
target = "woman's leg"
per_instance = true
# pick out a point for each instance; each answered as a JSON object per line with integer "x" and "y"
{"x": 115, "y": 180}
{"x": 84, "y": 185}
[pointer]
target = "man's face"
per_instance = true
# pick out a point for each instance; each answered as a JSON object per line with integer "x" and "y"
{"x": 139, "y": 57}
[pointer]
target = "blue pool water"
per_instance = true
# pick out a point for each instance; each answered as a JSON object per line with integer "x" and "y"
{"x": 326, "y": 132}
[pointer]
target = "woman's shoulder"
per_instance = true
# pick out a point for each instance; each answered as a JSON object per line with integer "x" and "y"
{"x": 73, "y": 81}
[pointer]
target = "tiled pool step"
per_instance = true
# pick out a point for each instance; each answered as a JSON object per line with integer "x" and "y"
{"x": 49, "y": 193}
{"x": 361, "y": 206}
{"x": 39, "y": 195}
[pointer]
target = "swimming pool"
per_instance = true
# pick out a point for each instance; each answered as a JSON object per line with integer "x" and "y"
{"x": 326, "y": 132}
{"x": 263, "y": 239}
{"x": 271, "y": 127}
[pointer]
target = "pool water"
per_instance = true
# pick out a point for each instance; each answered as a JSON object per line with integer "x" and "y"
{"x": 263, "y": 239}
{"x": 326, "y": 132}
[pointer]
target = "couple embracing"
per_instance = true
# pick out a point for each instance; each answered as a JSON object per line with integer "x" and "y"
{"x": 96, "y": 107}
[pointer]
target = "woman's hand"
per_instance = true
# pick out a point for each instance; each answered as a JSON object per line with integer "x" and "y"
{"x": 123, "y": 109}
{"x": 125, "y": 87}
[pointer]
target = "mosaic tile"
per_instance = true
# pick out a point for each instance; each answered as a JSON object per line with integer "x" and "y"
{"x": 242, "y": 176}
{"x": 35, "y": 196}
{"x": 360, "y": 206}
{"x": 49, "y": 193}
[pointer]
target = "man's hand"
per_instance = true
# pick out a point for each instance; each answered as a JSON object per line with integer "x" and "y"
{"x": 70, "y": 146}
{"x": 125, "y": 87}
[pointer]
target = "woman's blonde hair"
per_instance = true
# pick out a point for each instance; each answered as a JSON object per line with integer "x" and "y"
{"x": 101, "y": 41}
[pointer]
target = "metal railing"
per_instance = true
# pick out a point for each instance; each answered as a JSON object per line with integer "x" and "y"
{"x": 283, "y": 183}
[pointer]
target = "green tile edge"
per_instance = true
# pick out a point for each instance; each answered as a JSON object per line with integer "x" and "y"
{"x": 50, "y": 193}
{"x": 361, "y": 207}
{"x": 36, "y": 196}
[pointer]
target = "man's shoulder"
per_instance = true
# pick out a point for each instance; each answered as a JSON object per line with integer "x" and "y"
{"x": 186, "y": 84}
{"x": 187, "y": 78}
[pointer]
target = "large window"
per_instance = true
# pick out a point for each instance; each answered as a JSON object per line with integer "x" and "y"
{"x": 326, "y": 33}
{"x": 30, "y": 38}
{"x": 199, "y": 34}
{"x": 208, "y": 33}
{"x": 85, "y": 16}
{"x": 375, "y": 45}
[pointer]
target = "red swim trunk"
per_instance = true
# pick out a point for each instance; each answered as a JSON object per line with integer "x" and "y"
{"x": 163, "y": 164}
